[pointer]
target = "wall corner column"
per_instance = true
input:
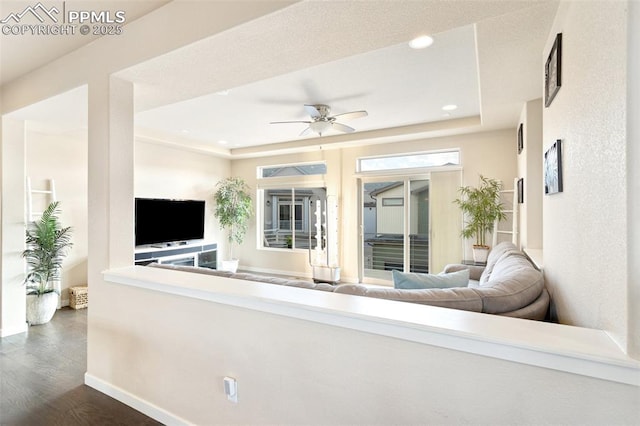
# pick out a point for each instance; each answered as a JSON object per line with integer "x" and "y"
{"x": 12, "y": 291}
{"x": 633, "y": 182}
{"x": 110, "y": 197}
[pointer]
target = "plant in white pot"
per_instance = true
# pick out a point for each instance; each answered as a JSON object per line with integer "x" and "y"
{"x": 233, "y": 209}
{"x": 47, "y": 245}
{"x": 481, "y": 207}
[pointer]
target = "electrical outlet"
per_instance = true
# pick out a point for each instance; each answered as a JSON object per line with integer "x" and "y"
{"x": 231, "y": 389}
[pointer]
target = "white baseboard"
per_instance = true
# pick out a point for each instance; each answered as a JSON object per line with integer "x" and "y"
{"x": 134, "y": 402}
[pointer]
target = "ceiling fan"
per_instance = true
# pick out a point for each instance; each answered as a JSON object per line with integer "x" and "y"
{"x": 321, "y": 121}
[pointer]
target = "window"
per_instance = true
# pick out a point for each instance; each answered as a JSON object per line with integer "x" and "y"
{"x": 285, "y": 216}
{"x": 302, "y": 169}
{"x": 409, "y": 161}
{"x": 396, "y": 235}
{"x": 421, "y": 234}
{"x": 399, "y": 201}
{"x": 288, "y": 217}
{"x": 288, "y": 208}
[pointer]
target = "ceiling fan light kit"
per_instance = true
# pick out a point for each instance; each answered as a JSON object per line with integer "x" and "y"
{"x": 320, "y": 127}
{"x": 321, "y": 121}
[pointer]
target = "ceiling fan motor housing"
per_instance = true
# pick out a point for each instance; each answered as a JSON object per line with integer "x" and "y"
{"x": 323, "y": 111}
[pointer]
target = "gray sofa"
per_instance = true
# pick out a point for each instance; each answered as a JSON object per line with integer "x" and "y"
{"x": 508, "y": 285}
{"x": 250, "y": 277}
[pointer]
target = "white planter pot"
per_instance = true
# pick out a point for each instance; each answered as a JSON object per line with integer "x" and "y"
{"x": 229, "y": 265}
{"x": 480, "y": 254}
{"x": 40, "y": 309}
{"x": 326, "y": 274}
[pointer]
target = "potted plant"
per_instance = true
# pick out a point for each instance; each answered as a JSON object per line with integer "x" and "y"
{"x": 233, "y": 209}
{"x": 481, "y": 207}
{"x": 47, "y": 244}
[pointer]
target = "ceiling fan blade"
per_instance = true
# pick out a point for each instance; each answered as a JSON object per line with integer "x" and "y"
{"x": 305, "y": 131}
{"x": 351, "y": 115}
{"x": 312, "y": 111}
{"x": 342, "y": 128}
{"x": 287, "y": 122}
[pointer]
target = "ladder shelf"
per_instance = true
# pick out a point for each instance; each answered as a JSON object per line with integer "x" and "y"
{"x": 51, "y": 192}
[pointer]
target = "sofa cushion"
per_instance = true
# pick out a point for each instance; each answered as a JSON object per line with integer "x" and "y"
{"x": 463, "y": 298}
{"x": 495, "y": 255}
{"x": 283, "y": 281}
{"x": 249, "y": 277}
{"x": 204, "y": 271}
{"x": 513, "y": 284}
{"x": 537, "y": 310}
{"x": 409, "y": 280}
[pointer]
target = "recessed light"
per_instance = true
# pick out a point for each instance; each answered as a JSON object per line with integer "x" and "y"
{"x": 449, "y": 107}
{"x": 222, "y": 92}
{"x": 185, "y": 131}
{"x": 223, "y": 142}
{"x": 421, "y": 42}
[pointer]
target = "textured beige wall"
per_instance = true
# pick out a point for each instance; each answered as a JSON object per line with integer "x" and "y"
{"x": 530, "y": 168}
{"x": 63, "y": 157}
{"x": 166, "y": 172}
{"x": 12, "y": 297}
{"x": 585, "y": 227}
{"x": 489, "y": 153}
{"x": 291, "y": 371}
{"x": 633, "y": 152}
{"x": 160, "y": 171}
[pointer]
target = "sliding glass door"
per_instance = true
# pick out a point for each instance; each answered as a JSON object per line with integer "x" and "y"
{"x": 395, "y": 227}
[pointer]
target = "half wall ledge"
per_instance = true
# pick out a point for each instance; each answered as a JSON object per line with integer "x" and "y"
{"x": 575, "y": 350}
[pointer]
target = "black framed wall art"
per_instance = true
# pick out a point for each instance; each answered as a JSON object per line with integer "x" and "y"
{"x": 521, "y": 191}
{"x": 553, "y": 168}
{"x": 520, "y": 138}
{"x": 553, "y": 71}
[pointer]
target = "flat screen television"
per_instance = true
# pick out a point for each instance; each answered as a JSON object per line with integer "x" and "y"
{"x": 160, "y": 221}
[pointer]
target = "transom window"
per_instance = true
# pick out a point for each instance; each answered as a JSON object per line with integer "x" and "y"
{"x": 409, "y": 161}
{"x": 300, "y": 169}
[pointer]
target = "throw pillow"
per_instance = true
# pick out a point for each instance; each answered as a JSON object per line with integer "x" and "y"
{"x": 412, "y": 281}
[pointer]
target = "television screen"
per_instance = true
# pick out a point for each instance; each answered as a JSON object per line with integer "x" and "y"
{"x": 164, "y": 221}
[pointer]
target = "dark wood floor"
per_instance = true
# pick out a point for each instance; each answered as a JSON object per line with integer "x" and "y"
{"x": 42, "y": 376}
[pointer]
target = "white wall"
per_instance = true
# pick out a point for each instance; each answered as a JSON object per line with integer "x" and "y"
{"x": 12, "y": 299}
{"x": 165, "y": 172}
{"x": 63, "y": 157}
{"x": 489, "y": 153}
{"x": 530, "y": 168}
{"x": 294, "y": 371}
{"x": 585, "y": 227}
{"x": 633, "y": 158}
{"x": 160, "y": 171}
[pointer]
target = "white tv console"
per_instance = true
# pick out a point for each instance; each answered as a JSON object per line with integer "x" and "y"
{"x": 192, "y": 254}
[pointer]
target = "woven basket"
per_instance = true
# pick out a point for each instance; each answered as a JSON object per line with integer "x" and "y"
{"x": 79, "y": 297}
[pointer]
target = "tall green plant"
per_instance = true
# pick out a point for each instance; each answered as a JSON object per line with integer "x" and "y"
{"x": 481, "y": 207}
{"x": 47, "y": 245}
{"x": 233, "y": 209}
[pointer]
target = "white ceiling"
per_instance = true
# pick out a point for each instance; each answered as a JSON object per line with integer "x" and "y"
{"x": 396, "y": 85}
{"x": 21, "y": 54}
{"x": 486, "y": 58}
